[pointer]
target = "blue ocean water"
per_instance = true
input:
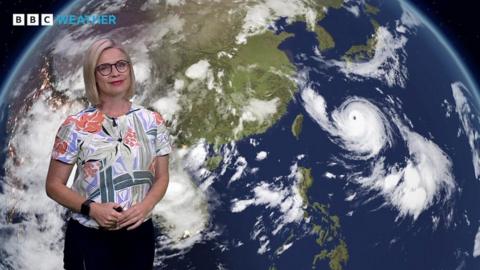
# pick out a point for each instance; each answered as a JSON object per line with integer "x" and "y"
{"x": 375, "y": 236}
{"x": 375, "y": 239}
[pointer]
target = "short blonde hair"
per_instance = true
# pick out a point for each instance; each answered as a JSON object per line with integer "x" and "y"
{"x": 90, "y": 63}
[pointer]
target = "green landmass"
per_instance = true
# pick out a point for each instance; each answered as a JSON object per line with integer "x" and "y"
{"x": 331, "y": 243}
{"x": 335, "y": 221}
{"x": 363, "y": 52}
{"x": 325, "y": 40}
{"x": 227, "y": 105}
{"x": 319, "y": 7}
{"x": 246, "y": 75}
{"x": 213, "y": 162}
{"x": 305, "y": 184}
{"x": 332, "y": 246}
{"x": 258, "y": 71}
{"x": 325, "y": 226}
{"x": 336, "y": 4}
{"x": 338, "y": 256}
{"x": 370, "y": 9}
{"x": 375, "y": 24}
{"x": 297, "y": 125}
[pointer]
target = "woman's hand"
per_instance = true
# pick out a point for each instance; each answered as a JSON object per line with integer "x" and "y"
{"x": 105, "y": 215}
{"x": 134, "y": 216}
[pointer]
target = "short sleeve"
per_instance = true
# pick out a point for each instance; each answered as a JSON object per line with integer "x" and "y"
{"x": 162, "y": 143}
{"x": 65, "y": 148}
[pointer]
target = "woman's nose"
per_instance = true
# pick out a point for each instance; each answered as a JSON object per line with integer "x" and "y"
{"x": 114, "y": 72}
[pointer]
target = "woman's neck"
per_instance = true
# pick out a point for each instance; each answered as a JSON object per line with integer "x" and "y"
{"x": 114, "y": 107}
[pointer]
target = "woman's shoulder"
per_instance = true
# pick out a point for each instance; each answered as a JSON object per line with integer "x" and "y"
{"x": 88, "y": 114}
{"x": 85, "y": 111}
{"x": 149, "y": 113}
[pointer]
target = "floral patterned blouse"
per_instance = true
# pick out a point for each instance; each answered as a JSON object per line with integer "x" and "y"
{"x": 115, "y": 157}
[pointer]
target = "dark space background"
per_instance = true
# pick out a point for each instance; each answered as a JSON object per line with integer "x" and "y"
{"x": 457, "y": 20}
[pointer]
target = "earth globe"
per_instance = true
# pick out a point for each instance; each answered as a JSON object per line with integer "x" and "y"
{"x": 321, "y": 134}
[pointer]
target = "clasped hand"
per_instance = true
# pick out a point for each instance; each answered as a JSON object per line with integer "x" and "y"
{"x": 107, "y": 217}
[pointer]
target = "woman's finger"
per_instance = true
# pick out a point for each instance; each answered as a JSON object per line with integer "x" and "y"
{"x": 132, "y": 213}
{"x": 132, "y": 220}
{"x": 138, "y": 223}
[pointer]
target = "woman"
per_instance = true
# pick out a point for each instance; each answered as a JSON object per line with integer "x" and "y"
{"x": 121, "y": 151}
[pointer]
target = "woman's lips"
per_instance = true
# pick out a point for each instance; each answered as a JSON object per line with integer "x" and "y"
{"x": 116, "y": 83}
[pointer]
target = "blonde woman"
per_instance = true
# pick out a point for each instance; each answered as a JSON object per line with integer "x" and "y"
{"x": 121, "y": 151}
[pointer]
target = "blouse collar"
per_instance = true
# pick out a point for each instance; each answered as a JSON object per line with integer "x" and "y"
{"x": 133, "y": 107}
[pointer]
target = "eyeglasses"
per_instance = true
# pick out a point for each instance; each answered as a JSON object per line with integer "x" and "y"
{"x": 106, "y": 69}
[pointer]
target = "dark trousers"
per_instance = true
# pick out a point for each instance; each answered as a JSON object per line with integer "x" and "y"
{"x": 92, "y": 249}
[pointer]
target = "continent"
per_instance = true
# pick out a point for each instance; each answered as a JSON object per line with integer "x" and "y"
{"x": 228, "y": 91}
{"x": 250, "y": 93}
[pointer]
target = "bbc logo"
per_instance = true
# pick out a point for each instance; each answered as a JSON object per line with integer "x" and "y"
{"x": 20, "y": 19}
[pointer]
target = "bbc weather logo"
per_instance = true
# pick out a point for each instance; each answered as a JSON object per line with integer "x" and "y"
{"x": 20, "y": 19}
{"x": 32, "y": 19}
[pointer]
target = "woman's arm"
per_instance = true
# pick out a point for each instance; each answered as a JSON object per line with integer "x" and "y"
{"x": 135, "y": 215}
{"x": 56, "y": 187}
{"x": 160, "y": 185}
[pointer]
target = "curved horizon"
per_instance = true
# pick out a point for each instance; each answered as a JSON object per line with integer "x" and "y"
{"x": 25, "y": 53}
{"x": 426, "y": 21}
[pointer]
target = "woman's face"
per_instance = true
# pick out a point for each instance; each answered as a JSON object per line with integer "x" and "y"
{"x": 112, "y": 73}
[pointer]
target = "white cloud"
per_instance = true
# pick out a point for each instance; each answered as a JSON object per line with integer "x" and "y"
{"x": 168, "y": 105}
{"x": 260, "y": 110}
{"x": 283, "y": 248}
{"x": 287, "y": 200}
{"x": 198, "y": 71}
{"x": 263, "y": 14}
{"x": 409, "y": 18}
{"x": 38, "y": 239}
{"x": 414, "y": 187}
{"x": 183, "y": 193}
{"x": 357, "y": 124}
{"x": 41, "y": 232}
{"x": 362, "y": 129}
{"x": 239, "y": 206}
{"x": 153, "y": 4}
{"x": 468, "y": 120}
{"x": 263, "y": 245}
{"x": 330, "y": 175}
{"x": 257, "y": 110}
{"x": 354, "y": 10}
{"x": 311, "y": 18}
{"x": 261, "y": 155}
{"x": 387, "y": 63}
{"x": 72, "y": 84}
{"x": 240, "y": 164}
{"x": 476, "y": 245}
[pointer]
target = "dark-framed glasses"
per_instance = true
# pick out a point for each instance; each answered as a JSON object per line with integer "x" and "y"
{"x": 106, "y": 69}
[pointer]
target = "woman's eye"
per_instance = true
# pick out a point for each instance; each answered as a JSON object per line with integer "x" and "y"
{"x": 122, "y": 64}
{"x": 103, "y": 68}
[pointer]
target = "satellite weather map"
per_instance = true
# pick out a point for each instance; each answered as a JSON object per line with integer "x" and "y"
{"x": 308, "y": 134}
